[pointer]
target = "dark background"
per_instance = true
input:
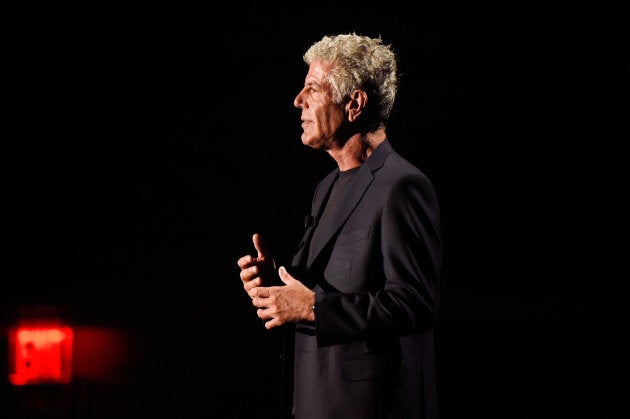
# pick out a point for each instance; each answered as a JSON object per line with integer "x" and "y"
{"x": 149, "y": 145}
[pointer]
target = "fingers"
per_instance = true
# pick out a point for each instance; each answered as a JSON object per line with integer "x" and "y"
{"x": 245, "y": 261}
{"x": 250, "y": 272}
{"x": 272, "y": 323}
{"x": 250, "y": 284}
{"x": 264, "y": 299}
{"x": 260, "y": 295}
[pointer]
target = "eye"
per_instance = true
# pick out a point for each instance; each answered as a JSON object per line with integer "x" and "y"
{"x": 312, "y": 88}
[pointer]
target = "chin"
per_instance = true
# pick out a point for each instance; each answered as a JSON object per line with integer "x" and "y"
{"x": 308, "y": 141}
{"x": 312, "y": 141}
{"x": 312, "y": 144}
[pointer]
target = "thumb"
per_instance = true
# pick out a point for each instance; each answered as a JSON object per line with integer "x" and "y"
{"x": 261, "y": 247}
{"x": 285, "y": 276}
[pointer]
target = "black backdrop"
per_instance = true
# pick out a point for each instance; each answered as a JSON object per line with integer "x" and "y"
{"x": 151, "y": 145}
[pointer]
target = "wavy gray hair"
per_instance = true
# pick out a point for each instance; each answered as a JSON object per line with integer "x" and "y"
{"x": 360, "y": 62}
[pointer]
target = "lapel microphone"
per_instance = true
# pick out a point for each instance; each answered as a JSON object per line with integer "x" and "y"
{"x": 309, "y": 221}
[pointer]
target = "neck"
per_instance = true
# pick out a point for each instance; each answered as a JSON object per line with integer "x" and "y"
{"x": 357, "y": 149}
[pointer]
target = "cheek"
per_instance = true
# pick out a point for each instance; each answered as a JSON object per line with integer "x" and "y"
{"x": 331, "y": 121}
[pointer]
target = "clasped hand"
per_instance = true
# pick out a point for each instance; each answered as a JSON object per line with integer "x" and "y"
{"x": 277, "y": 305}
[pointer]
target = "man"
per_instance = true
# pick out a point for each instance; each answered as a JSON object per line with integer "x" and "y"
{"x": 362, "y": 293}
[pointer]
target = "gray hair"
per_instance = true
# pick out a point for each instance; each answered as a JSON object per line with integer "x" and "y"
{"x": 360, "y": 62}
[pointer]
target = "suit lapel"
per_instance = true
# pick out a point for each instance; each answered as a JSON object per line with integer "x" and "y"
{"x": 317, "y": 207}
{"x": 359, "y": 184}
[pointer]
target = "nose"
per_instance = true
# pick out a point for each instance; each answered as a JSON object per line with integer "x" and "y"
{"x": 298, "y": 102}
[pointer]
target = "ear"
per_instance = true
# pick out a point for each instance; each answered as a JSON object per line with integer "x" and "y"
{"x": 355, "y": 105}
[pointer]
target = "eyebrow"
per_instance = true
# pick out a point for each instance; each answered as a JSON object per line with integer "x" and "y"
{"x": 313, "y": 83}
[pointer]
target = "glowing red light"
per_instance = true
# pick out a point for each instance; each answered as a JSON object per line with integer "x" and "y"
{"x": 40, "y": 355}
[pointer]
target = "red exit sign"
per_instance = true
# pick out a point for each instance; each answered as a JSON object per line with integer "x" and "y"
{"x": 40, "y": 354}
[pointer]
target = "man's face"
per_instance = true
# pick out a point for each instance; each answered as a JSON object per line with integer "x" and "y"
{"x": 321, "y": 118}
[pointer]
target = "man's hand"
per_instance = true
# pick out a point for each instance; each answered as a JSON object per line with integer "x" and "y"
{"x": 256, "y": 271}
{"x": 292, "y": 302}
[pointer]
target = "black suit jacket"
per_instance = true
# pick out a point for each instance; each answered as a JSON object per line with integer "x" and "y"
{"x": 370, "y": 353}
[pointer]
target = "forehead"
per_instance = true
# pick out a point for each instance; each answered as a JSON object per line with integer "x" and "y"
{"x": 318, "y": 71}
